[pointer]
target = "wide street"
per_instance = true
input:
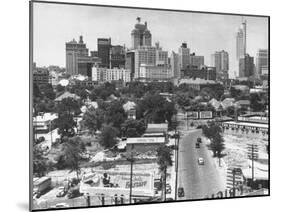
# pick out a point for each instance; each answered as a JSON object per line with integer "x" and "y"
{"x": 197, "y": 180}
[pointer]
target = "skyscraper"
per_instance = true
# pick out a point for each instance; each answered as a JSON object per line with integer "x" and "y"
{"x": 261, "y": 61}
{"x": 117, "y": 56}
{"x": 246, "y": 66}
{"x": 220, "y": 60}
{"x": 196, "y": 60}
{"x": 184, "y": 56}
{"x": 241, "y": 41}
{"x": 104, "y": 45}
{"x": 140, "y": 35}
{"x": 175, "y": 65}
{"x": 77, "y": 59}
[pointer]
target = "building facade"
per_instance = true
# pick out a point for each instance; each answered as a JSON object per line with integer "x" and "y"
{"x": 117, "y": 56}
{"x": 196, "y": 60}
{"x": 110, "y": 75}
{"x": 140, "y": 35}
{"x": 241, "y": 37}
{"x": 205, "y": 72}
{"x": 41, "y": 76}
{"x": 261, "y": 62}
{"x": 174, "y": 62}
{"x": 104, "y": 45}
{"x": 154, "y": 73}
{"x": 246, "y": 66}
{"x": 220, "y": 60}
{"x": 130, "y": 63}
{"x": 184, "y": 56}
{"x": 78, "y": 60}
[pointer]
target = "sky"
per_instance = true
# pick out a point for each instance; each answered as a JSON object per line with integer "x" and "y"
{"x": 56, "y": 24}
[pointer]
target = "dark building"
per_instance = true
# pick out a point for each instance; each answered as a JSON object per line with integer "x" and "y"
{"x": 94, "y": 54}
{"x": 140, "y": 35}
{"x": 41, "y": 76}
{"x": 117, "y": 56}
{"x": 191, "y": 71}
{"x": 130, "y": 63}
{"x": 104, "y": 45}
{"x": 246, "y": 66}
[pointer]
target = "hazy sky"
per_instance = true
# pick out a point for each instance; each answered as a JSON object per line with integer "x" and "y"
{"x": 55, "y": 24}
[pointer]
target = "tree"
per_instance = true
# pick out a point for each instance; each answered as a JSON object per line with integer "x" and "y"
{"x": 213, "y": 132}
{"x": 39, "y": 161}
{"x": 255, "y": 102}
{"x": 65, "y": 124}
{"x": 115, "y": 114}
{"x": 164, "y": 160}
{"x": 157, "y": 109}
{"x": 48, "y": 91}
{"x": 235, "y": 93}
{"x": 94, "y": 118}
{"x": 68, "y": 105}
{"x": 108, "y": 136}
{"x": 72, "y": 154}
{"x": 133, "y": 128}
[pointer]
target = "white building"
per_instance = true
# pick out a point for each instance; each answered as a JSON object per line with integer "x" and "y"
{"x": 108, "y": 75}
{"x": 155, "y": 73}
{"x": 184, "y": 56}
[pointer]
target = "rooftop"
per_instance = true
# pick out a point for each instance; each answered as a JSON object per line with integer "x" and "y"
{"x": 248, "y": 124}
{"x": 146, "y": 140}
{"x": 154, "y": 128}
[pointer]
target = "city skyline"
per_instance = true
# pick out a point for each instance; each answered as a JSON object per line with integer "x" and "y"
{"x": 203, "y": 33}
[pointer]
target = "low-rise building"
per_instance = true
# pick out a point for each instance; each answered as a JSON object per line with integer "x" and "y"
{"x": 154, "y": 73}
{"x": 198, "y": 84}
{"x": 43, "y": 122}
{"x": 144, "y": 144}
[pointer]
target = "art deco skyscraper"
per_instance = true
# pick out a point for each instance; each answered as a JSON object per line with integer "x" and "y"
{"x": 241, "y": 43}
{"x": 140, "y": 35}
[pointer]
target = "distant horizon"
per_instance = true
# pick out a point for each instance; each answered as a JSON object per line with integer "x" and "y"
{"x": 204, "y": 33}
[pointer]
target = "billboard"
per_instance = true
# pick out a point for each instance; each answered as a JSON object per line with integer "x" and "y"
{"x": 206, "y": 114}
{"x": 116, "y": 182}
{"x": 192, "y": 115}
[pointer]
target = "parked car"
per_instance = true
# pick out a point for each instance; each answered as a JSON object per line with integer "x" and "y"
{"x": 61, "y": 191}
{"x": 180, "y": 192}
{"x": 168, "y": 189}
{"x": 199, "y": 140}
{"x": 201, "y": 161}
{"x": 197, "y": 145}
{"x": 60, "y": 205}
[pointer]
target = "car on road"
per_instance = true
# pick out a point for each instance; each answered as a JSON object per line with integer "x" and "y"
{"x": 201, "y": 161}
{"x": 180, "y": 192}
{"x": 60, "y": 205}
{"x": 199, "y": 140}
{"x": 197, "y": 145}
{"x": 61, "y": 191}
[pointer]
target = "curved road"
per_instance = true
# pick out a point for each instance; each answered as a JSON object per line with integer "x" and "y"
{"x": 197, "y": 180}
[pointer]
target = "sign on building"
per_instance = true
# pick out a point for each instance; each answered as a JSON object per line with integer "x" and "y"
{"x": 113, "y": 182}
{"x": 192, "y": 115}
{"x": 206, "y": 114}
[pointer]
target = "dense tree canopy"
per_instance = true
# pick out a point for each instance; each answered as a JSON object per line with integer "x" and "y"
{"x": 133, "y": 128}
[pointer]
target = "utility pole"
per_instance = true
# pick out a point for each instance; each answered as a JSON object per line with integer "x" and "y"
{"x": 131, "y": 159}
{"x": 253, "y": 155}
{"x": 177, "y": 161}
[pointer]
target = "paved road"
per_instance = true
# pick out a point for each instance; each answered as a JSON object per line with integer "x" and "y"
{"x": 197, "y": 180}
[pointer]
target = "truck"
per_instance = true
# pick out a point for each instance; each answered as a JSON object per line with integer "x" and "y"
{"x": 40, "y": 185}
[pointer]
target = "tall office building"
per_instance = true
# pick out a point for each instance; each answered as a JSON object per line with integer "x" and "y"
{"x": 184, "y": 56}
{"x": 150, "y": 56}
{"x": 241, "y": 38}
{"x": 104, "y": 45}
{"x": 261, "y": 62}
{"x": 140, "y": 35}
{"x": 246, "y": 66}
{"x": 220, "y": 60}
{"x": 77, "y": 59}
{"x": 117, "y": 57}
{"x": 196, "y": 60}
{"x": 130, "y": 63}
{"x": 175, "y": 65}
